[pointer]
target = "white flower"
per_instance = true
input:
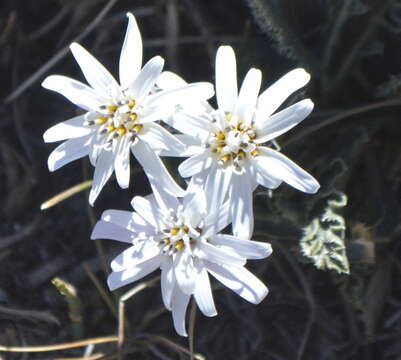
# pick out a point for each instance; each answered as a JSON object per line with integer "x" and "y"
{"x": 120, "y": 117}
{"x": 180, "y": 237}
{"x": 226, "y": 145}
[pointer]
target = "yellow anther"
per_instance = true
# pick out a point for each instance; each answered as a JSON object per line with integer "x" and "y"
{"x": 174, "y": 231}
{"x": 138, "y": 127}
{"x": 166, "y": 241}
{"x": 255, "y": 152}
{"x": 179, "y": 245}
{"x": 133, "y": 116}
{"x": 185, "y": 228}
{"x": 251, "y": 134}
{"x": 101, "y": 120}
{"x": 112, "y": 108}
{"x": 240, "y": 125}
{"x": 110, "y": 128}
{"x": 229, "y": 116}
{"x": 241, "y": 154}
{"x": 220, "y": 136}
{"x": 220, "y": 148}
{"x": 225, "y": 158}
{"x": 121, "y": 130}
{"x": 132, "y": 103}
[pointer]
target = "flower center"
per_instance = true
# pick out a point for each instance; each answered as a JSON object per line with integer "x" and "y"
{"x": 118, "y": 120}
{"x": 235, "y": 144}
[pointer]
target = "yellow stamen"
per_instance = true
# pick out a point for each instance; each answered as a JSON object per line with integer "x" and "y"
{"x": 174, "y": 231}
{"x": 179, "y": 245}
{"x": 229, "y": 116}
{"x": 166, "y": 241}
{"x": 255, "y": 152}
{"x": 101, "y": 120}
{"x": 185, "y": 228}
{"x": 132, "y": 103}
{"x": 121, "y": 130}
{"x": 110, "y": 128}
{"x": 241, "y": 154}
{"x": 112, "y": 108}
{"x": 220, "y": 136}
{"x": 133, "y": 116}
{"x": 225, "y": 158}
{"x": 138, "y": 127}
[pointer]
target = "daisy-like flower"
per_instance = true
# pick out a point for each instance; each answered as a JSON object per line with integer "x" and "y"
{"x": 120, "y": 117}
{"x": 227, "y": 152}
{"x": 182, "y": 238}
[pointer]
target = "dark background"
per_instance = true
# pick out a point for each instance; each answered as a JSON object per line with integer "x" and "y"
{"x": 351, "y": 143}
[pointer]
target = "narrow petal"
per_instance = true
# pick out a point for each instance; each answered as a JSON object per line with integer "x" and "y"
{"x": 131, "y": 53}
{"x": 148, "y": 210}
{"x": 146, "y": 79}
{"x": 104, "y": 169}
{"x": 169, "y": 80}
{"x": 269, "y": 128}
{"x": 68, "y": 151}
{"x": 96, "y": 146}
{"x": 159, "y": 138}
{"x": 191, "y": 92}
{"x": 165, "y": 200}
{"x": 184, "y": 271}
{"x": 135, "y": 255}
{"x": 78, "y": 93}
{"x": 248, "y": 96}
{"x": 155, "y": 169}
{"x": 68, "y": 129}
{"x": 121, "y": 162}
{"x": 194, "y": 205}
{"x": 127, "y": 219}
{"x": 245, "y": 248}
{"x": 262, "y": 178}
{"x": 203, "y": 292}
{"x": 218, "y": 255}
{"x": 239, "y": 280}
{"x": 196, "y": 126}
{"x": 217, "y": 186}
{"x": 226, "y": 78}
{"x": 179, "y": 306}
{"x": 192, "y": 147}
{"x": 217, "y": 220}
{"x": 242, "y": 208}
{"x": 95, "y": 73}
{"x": 167, "y": 282}
{"x": 276, "y": 165}
{"x": 119, "y": 279}
{"x": 270, "y": 99}
{"x": 108, "y": 230}
{"x": 195, "y": 164}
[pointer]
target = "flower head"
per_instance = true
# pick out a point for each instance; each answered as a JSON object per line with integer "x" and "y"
{"x": 228, "y": 152}
{"x": 120, "y": 117}
{"x": 182, "y": 238}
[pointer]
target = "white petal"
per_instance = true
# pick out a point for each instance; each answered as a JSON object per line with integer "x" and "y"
{"x": 184, "y": 271}
{"x": 194, "y": 205}
{"x": 155, "y": 169}
{"x": 108, "y": 230}
{"x": 195, "y": 164}
{"x": 217, "y": 186}
{"x": 146, "y": 79}
{"x": 69, "y": 151}
{"x": 104, "y": 169}
{"x": 127, "y": 219}
{"x": 159, "y": 138}
{"x": 203, "y": 292}
{"x": 96, "y": 146}
{"x": 131, "y": 53}
{"x": 118, "y": 279}
{"x": 121, "y": 162}
{"x": 239, "y": 280}
{"x": 188, "y": 93}
{"x": 248, "y": 96}
{"x": 245, "y": 248}
{"x": 68, "y": 129}
{"x": 274, "y": 96}
{"x": 192, "y": 147}
{"x": 218, "y": 255}
{"x": 226, "y": 78}
{"x": 167, "y": 281}
{"x": 179, "y": 306}
{"x": 262, "y": 178}
{"x": 276, "y": 165}
{"x": 242, "y": 208}
{"x": 78, "y": 93}
{"x": 269, "y": 128}
{"x": 135, "y": 255}
{"x": 148, "y": 210}
{"x": 169, "y": 80}
{"x": 95, "y": 73}
{"x": 196, "y": 126}
{"x": 217, "y": 220}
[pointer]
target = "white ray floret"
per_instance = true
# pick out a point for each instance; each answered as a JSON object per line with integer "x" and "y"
{"x": 120, "y": 117}
{"x": 227, "y": 150}
{"x": 182, "y": 238}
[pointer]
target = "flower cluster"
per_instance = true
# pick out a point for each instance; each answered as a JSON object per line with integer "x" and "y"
{"x": 227, "y": 158}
